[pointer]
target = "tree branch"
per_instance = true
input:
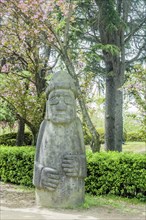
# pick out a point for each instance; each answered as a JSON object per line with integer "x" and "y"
{"x": 134, "y": 31}
{"x": 136, "y": 57}
{"x": 24, "y": 77}
{"x": 68, "y": 24}
{"x": 51, "y": 67}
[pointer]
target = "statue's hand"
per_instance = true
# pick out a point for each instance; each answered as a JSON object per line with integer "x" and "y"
{"x": 71, "y": 165}
{"x": 49, "y": 178}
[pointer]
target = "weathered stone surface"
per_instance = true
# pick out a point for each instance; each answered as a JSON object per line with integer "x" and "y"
{"x": 60, "y": 163}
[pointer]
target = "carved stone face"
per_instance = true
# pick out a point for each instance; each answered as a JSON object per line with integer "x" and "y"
{"x": 61, "y": 106}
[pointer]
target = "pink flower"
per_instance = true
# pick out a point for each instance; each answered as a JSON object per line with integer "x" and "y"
{"x": 36, "y": 16}
{"x": 5, "y": 68}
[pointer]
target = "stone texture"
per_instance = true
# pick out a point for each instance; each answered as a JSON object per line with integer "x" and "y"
{"x": 60, "y": 163}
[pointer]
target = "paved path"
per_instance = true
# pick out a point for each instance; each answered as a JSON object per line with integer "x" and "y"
{"x": 39, "y": 214}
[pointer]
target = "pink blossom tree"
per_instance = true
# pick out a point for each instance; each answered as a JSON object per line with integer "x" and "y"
{"x": 136, "y": 87}
{"x": 27, "y": 25}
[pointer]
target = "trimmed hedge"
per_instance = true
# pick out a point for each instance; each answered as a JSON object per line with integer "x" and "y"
{"x": 122, "y": 174}
{"x": 16, "y": 164}
{"x": 9, "y": 139}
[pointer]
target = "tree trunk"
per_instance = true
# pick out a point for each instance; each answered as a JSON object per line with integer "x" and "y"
{"x": 112, "y": 32}
{"x": 40, "y": 74}
{"x": 34, "y": 133}
{"x": 110, "y": 114}
{"x": 34, "y": 130}
{"x": 119, "y": 113}
{"x": 40, "y": 81}
{"x": 20, "y": 132}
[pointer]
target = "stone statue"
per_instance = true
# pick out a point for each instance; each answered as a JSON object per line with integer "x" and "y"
{"x": 60, "y": 162}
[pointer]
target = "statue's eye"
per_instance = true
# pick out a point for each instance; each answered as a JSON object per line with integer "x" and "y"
{"x": 68, "y": 101}
{"x": 53, "y": 101}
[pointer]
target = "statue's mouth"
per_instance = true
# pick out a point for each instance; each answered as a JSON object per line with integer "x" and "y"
{"x": 60, "y": 113}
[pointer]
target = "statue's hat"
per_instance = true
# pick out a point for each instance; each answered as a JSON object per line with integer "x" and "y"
{"x": 61, "y": 80}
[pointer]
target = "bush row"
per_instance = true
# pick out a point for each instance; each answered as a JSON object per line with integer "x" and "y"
{"x": 135, "y": 136}
{"x": 10, "y": 139}
{"x": 16, "y": 164}
{"x": 122, "y": 174}
{"x": 127, "y": 136}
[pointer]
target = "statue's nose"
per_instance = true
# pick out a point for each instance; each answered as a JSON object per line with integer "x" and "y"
{"x": 61, "y": 105}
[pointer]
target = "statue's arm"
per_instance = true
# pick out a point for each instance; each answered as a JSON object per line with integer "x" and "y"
{"x": 44, "y": 177}
{"x": 37, "y": 166}
{"x": 37, "y": 174}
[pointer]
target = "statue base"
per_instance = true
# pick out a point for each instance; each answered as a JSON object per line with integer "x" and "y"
{"x": 60, "y": 198}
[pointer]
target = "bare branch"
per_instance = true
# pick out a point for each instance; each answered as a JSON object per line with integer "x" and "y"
{"x": 68, "y": 24}
{"x": 24, "y": 77}
{"x": 136, "y": 57}
{"x": 51, "y": 67}
{"x": 20, "y": 58}
{"x": 134, "y": 31}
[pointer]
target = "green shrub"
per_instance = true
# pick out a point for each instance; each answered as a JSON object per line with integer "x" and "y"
{"x": 122, "y": 174}
{"x": 88, "y": 136}
{"x": 10, "y": 139}
{"x": 16, "y": 165}
{"x": 101, "y": 133}
{"x": 127, "y": 136}
{"x": 135, "y": 136}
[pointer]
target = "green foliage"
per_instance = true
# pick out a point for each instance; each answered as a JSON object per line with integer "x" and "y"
{"x": 88, "y": 136}
{"x": 127, "y": 136}
{"x": 136, "y": 87}
{"x": 121, "y": 174}
{"x": 135, "y": 136}
{"x": 22, "y": 96}
{"x": 131, "y": 120}
{"x": 101, "y": 133}
{"x": 6, "y": 113}
{"x": 16, "y": 165}
{"x": 10, "y": 139}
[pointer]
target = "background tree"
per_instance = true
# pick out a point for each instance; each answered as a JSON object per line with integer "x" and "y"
{"x": 22, "y": 96}
{"x": 117, "y": 29}
{"x": 7, "y": 115}
{"x": 136, "y": 88}
{"x": 51, "y": 23}
{"x": 79, "y": 32}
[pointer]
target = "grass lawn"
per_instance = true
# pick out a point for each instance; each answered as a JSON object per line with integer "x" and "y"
{"x": 114, "y": 201}
{"x": 135, "y": 147}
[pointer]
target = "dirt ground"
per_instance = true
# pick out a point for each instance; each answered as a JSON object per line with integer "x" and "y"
{"x": 13, "y": 197}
